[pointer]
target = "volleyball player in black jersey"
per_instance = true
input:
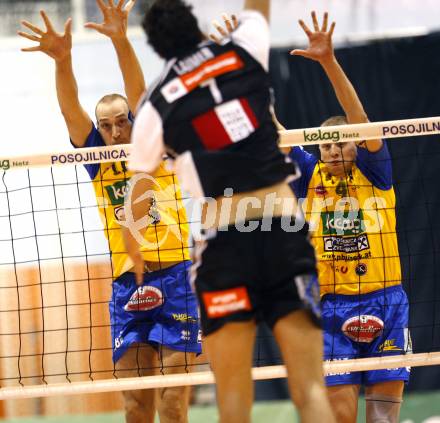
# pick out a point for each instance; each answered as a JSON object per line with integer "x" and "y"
{"x": 210, "y": 109}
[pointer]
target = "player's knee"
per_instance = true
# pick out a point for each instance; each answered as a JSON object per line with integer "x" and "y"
{"x": 173, "y": 405}
{"x": 309, "y": 396}
{"x": 137, "y": 408}
{"x": 343, "y": 412}
{"x": 383, "y": 408}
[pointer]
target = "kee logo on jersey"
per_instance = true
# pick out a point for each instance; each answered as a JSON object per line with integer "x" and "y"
{"x": 363, "y": 328}
{"x": 117, "y": 192}
{"x": 228, "y": 301}
{"x": 347, "y": 223}
{"x": 145, "y": 298}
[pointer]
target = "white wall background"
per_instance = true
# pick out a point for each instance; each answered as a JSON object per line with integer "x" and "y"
{"x": 31, "y": 122}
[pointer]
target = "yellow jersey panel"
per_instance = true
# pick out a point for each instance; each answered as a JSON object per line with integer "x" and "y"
{"x": 353, "y": 229}
{"x": 166, "y": 237}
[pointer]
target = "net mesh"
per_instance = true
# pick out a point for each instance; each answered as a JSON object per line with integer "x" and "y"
{"x": 56, "y": 277}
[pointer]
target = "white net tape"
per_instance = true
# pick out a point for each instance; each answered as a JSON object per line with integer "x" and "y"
{"x": 308, "y": 136}
{"x": 207, "y": 377}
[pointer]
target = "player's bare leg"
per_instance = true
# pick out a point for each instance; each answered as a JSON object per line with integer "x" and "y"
{"x": 300, "y": 342}
{"x": 172, "y": 403}
{"x": 139, "y": 360}
{"x": 344, "y": 402}
{"x": 383, "y": 401}
{"x": 230, "y": 351}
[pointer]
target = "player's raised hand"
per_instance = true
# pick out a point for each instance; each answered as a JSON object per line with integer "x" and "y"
{"x": 115, "y": 18}
{"x": 320, "y": 40}
{"x": 230, "y": 25}
{"x": 54, "y": 44}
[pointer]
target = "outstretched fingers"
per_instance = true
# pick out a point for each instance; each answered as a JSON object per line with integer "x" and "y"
{"x": 68, "y": 26}
{"x": 315, "y": 22}
{"x": 231, "y": 22}
{"x": 93, "y": 25}
{"x": 214, "y": 38}
{"x": 129, "y": 5}
{"x": 305, "y": 28}
{"x": 29, "y": 36}
{"x": 219, "y": 28}
{"x": 324, "y": 23}
{"x": 36, "y": 48}
{"x": 47, "y": 21}
{"x": 299, "y": 52}
{"x": 32, "y": 27}
{"x": 102, "y": 6}
{"x": 332, "y": 28}
{"x": 234, "y": 21}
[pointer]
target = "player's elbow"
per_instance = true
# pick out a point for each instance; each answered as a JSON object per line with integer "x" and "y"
{"x": 358, "y": 117}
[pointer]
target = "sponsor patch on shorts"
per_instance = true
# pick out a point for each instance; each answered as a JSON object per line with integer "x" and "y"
{"x": 144, "y": 298}
{"x": 363, "y": 328}
{"x": 228, "y": 301}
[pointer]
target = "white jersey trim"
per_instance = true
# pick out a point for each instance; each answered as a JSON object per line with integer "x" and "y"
{"x": 147, "y": 140}
{"x": 186, "y": 171}
{"x": 253, "y": 34}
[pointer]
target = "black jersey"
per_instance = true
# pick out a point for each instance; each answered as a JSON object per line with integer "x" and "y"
{"x": 211, "y": 109}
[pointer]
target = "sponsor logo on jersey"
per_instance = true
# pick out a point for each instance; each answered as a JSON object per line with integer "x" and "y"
{"x": 118, "y": 342}
{"x": 185, "y": 335}
{"x": 363, "y": 328}
{"x": 346, "y": 245}
{"x": 389, "y": 345}
{"x": 232, "y": 122}
{"x": 339, "y": 269}
{"x": 320, "y": 190}
{"x": 236, "y": 120}
{"x": 345, "y": 224}
{"x": 337, "y": 374}
{"x": 144, "y": 298}
{"x": 153, "y": 212}
{"x": 120, "y": 214}
{"x": 117, "y": 192}
{"x": 345, "y": 257}
{"x": 222, "y": 303}
{"x": 202, "y": 70}
{"x": 361, "y": 269}
{"x": 193, "y": 61}
{"x": 183, "y": 317}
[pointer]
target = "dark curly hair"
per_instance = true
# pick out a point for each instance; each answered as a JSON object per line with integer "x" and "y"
{"x": 171, "y": 28}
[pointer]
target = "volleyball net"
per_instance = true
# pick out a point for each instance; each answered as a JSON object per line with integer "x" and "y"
{"x": 56, "y": 272}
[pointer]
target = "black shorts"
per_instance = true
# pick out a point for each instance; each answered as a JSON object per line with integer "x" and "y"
{"x": 261, "y": 275}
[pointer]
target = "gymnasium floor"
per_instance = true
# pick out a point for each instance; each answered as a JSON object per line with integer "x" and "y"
{"x": 417, "y": 408}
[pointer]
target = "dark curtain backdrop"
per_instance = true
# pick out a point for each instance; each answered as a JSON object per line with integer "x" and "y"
{"x": 395, "y": 79}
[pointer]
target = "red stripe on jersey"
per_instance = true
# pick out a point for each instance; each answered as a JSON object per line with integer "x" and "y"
{"x": 250, "y": 113}
{"x": 211, "y": 131}
{"x": 220, "y": 65}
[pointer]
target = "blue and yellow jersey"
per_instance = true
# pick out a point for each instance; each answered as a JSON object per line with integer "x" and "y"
{"x": 166, "y": 237}
{"x": 352, "y": 222}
